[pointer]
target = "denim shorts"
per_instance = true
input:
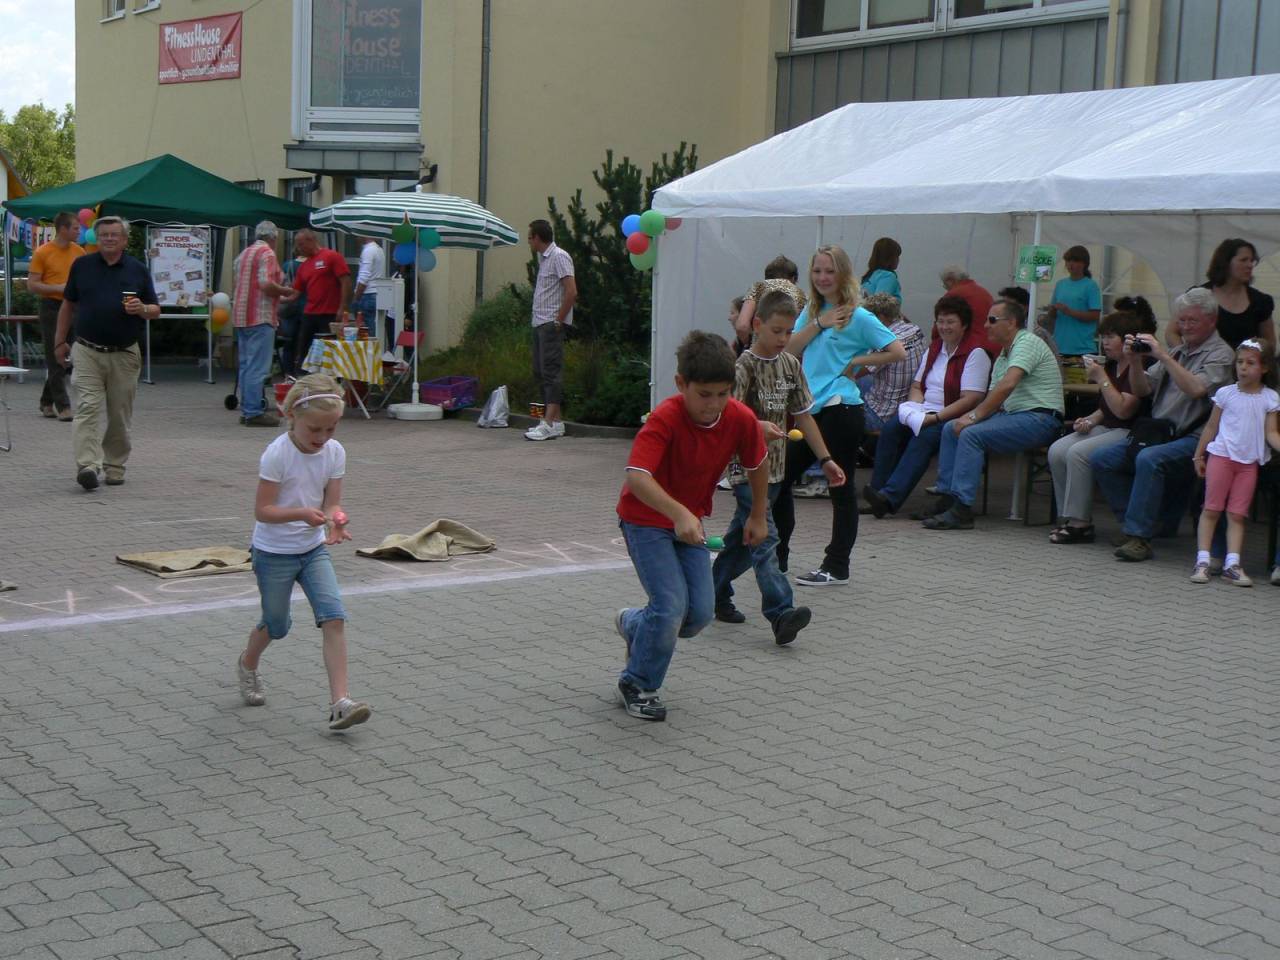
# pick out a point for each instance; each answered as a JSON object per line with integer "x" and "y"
{"x": 277, "y": 573}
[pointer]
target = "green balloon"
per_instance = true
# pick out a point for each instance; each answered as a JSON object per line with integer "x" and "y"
{"x": 646, "y": 260}
{"x": 428, "y": 238}
{"x": 652, "y": 222}
{"x": 402, "y": 233}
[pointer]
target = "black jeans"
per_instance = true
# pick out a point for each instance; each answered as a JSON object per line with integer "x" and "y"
{"x": 842, "y": 428}
{"x": 54, "y": 393}
{"x": 311, "y": 325}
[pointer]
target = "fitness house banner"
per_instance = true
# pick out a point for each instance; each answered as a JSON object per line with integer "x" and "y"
{"x": 204, "y": 49}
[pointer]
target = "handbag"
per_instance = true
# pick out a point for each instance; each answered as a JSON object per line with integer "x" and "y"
{"x": 1148, "y": 432}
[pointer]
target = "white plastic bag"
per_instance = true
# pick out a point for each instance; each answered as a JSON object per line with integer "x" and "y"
{"x": 495, "y": 409}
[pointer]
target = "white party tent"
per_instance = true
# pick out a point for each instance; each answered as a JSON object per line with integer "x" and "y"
{"x": 1165, "y": 172}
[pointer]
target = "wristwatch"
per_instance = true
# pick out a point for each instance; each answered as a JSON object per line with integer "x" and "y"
{"x": 973, "y": 417}
{"x": 823, "y": 461}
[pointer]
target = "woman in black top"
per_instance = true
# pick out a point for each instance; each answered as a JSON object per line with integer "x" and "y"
{"x": 1243, "y": 311}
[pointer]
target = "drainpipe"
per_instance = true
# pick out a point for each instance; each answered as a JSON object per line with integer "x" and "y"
{"x": 482, "y": 188}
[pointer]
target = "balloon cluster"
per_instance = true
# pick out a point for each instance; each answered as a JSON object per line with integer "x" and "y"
{"x": 87, "y": 216}
{"x": 403, "y": 253}
{"x": 642, "y": 231}
{"x": 219, "y": 312}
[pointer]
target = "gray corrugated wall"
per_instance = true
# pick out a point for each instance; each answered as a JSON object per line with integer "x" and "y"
{"x": 1203, "y": 40}
{"x": 1049, "y": 58}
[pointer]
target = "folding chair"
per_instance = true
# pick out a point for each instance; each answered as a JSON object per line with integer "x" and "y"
{"x": 411, "y": 340}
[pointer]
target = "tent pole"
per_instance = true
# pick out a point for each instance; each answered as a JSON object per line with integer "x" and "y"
{"x": 417, "y": 319}
{"x": 821, "y": 224}
{"x": 1019, "y": 461}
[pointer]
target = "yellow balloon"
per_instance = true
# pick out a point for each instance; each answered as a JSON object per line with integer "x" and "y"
{"x": 795, "y": 434}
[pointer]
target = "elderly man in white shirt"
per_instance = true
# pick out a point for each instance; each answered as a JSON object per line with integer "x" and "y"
{"x": 372, "y": 267}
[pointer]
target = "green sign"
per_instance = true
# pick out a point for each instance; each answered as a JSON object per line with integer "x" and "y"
{"x": 1036, "y": 263}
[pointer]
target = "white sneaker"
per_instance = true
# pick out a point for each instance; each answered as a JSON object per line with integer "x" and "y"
{"x": 347, "y": 713}
{"x": 543, "y": 431}
{"x": 558, "y": 428}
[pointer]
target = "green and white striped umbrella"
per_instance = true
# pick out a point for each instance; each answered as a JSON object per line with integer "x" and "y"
{"x": 460, "y": 223}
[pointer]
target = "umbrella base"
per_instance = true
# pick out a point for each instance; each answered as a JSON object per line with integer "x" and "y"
{"x": 415, "y": 411}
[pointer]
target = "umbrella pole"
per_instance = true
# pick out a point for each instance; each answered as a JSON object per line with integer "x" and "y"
{"x": 417, "y": 319}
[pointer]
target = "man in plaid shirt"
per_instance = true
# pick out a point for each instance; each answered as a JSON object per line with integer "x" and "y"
{"x": 258, "y": 289}
{"x": 886, "y": 387}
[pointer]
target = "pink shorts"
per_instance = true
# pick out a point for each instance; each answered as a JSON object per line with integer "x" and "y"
{"x": 1229, "y": 485}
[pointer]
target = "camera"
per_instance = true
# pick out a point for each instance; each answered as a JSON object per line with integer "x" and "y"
{"x": 1140, "y": 346}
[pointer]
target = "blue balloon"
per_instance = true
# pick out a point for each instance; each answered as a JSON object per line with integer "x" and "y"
{"x": 630, "y": 224}
{"x": 403, "y": 253}
{"x": 426, "y": 261}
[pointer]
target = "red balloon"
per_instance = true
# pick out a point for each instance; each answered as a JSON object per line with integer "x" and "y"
{"x": 638, "y": 243}
{"x": 673, "y": 223}
{"x": 86, "y": 216}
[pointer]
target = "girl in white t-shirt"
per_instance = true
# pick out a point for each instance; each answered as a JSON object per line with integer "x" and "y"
{"x": 1235, "y": 441}
{"x": 299, "y": 511}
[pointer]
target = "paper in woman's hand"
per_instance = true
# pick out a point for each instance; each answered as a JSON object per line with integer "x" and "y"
{"x": 911, "y": 414}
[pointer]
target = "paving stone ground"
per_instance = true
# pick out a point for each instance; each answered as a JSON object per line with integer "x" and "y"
{"x": 985, "y": 747}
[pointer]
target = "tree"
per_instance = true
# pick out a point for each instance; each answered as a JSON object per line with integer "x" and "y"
{"x": 42, "y": 145}
{"x": 614, "y": 298}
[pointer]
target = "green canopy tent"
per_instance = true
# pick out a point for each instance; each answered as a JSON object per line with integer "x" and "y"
{"x": 162, "y": 190}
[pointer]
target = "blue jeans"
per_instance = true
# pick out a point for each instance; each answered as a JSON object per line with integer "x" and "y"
{"x": 1151, "y": 497}
{"x": 902, "y": 459}
{"x": 961, "y": 458}
{"x": 277, "y": 573}
{"x": 872, "y": 420}
{"x": 736, "y": 558}
{"x": 677, "y": 578}
{"x": 367, "y": 306}
{"x": 255, "y": 345}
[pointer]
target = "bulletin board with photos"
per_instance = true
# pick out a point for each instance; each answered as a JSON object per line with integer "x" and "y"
{"x": 181, "y": 264}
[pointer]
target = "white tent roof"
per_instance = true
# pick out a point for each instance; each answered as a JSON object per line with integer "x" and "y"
{"x": 1211, "y": 146}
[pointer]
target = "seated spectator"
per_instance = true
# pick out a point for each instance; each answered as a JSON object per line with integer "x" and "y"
{"x": 781, "y": 273}
{"x": 882, "y": 269}
{"x": 1021, "y": 411}
{"x": 1105, "y": 427}
{"x": 1019, "y": 295}
{"x": 884, "y": 387}
{"x": 1150, "y": 491}
{"x": 957, "y": 283}
{"x": 1139, "y": 307}
{"x": 950, "y": 381}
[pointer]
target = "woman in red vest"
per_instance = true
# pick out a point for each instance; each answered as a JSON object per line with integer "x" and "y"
{"x": 952, "y": 380}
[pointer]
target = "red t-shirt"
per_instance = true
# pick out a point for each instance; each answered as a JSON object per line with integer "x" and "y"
{"x": 318, "y": 279}
{"x": 687, "y": 459}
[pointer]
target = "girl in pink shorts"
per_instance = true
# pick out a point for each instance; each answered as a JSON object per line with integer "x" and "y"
{"x": 1236, "y": 439}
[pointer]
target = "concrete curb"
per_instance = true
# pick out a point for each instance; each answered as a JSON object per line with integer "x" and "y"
{"x": 590, "y": 430}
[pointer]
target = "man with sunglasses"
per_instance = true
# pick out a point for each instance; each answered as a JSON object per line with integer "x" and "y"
{"x": 1022, "y": 411}
{"x": 107, "y": 297}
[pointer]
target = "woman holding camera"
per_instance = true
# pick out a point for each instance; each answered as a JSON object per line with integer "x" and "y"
{"x": 1105, "y": 427}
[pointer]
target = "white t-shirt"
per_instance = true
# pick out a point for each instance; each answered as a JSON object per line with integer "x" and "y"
{"x": 976, "y": 376}
{"x": 302, "y": 478}
{"x": 372, "y": 263}
{"x": 1242, "y": 430}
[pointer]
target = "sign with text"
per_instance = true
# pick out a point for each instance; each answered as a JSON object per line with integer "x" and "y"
{"x": 181, "y": 265}
{"x": 366, "y": 53}
{"x": 1036, "y": 263}
{"x": 203, "y": 49}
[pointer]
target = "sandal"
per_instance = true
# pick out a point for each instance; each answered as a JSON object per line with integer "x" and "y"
{"x": 1069, "y": 534}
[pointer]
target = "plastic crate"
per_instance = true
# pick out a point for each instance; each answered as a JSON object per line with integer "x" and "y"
{"x": 451, "y": 393}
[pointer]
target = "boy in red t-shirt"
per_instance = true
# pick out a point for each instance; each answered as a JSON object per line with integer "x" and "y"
{"x": 675, "y": 462}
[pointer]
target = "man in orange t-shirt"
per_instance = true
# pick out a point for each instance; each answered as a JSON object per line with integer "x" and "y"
{"x": 46, "y": 277}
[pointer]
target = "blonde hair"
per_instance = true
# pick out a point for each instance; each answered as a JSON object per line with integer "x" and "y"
{"x": 884, "y": 305}
{"x": 847, "y": 287}
{"x": 315, "y": 391}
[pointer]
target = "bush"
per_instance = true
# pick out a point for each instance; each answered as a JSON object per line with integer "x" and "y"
{"x": 603, "y": 384}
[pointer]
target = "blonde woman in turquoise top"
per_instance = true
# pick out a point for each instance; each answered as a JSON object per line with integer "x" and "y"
{"x": 831, "y": 334}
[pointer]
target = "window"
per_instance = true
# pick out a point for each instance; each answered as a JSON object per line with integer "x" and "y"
{"x": 113, "y": 9}
{"x": 142, "y": 6}
{"x": 358, "y": 69}
{"x": 817, "y": 21}
{"x": 257, "y": 186}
